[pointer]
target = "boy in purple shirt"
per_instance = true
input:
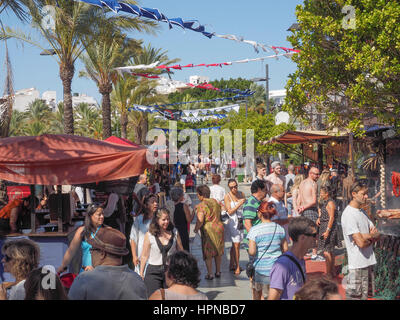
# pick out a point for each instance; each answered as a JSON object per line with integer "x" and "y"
{"x": 289, "y": 271}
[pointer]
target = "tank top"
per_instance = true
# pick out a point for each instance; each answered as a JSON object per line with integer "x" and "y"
{"x": 238, "y": 212}
{"x": 86, "y": 255}
{"x": 155, "y": 256}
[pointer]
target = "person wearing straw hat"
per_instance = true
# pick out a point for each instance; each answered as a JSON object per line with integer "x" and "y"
{"x": 110, "y": 280}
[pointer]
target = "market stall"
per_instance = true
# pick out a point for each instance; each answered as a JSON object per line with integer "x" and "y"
{"x": 63, "y": 160}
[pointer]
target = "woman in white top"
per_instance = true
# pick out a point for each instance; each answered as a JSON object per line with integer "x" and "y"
{"x": 234, "y": 201}
{"x": 160, "y": 241}
{"x": 140, "y": 226}
{"x": 19, "y": 258}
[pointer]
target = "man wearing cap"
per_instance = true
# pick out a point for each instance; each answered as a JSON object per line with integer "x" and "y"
{"x": 110, "y": 280}
{"x": 275, "y": 177}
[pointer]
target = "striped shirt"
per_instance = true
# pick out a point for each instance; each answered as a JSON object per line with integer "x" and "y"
{"x": 250, "y": 211}
{"x": 263, "y": 235}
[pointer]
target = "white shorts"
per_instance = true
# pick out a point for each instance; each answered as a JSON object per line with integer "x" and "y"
{"x": 183, "y": 179}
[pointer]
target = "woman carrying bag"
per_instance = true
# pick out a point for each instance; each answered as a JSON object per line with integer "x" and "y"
{"x": 267, "y": 242}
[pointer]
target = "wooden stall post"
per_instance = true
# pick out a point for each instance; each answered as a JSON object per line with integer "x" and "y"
{"x": 59, "y": 208}
{"x": 32, "y": 209}
{"x": 351, "y": 152}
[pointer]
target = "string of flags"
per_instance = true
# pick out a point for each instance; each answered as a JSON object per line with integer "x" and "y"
{"x": 155, "y": 65}
{"x": 199, "y": 131}
{"x": 194, "y": 115}
{"x": 194, "y": 25}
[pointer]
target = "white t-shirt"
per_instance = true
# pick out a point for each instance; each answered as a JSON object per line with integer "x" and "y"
{"x": 217, "y": 192}
{"x": 17, "y": 292}
{"x": 355, "y": 221}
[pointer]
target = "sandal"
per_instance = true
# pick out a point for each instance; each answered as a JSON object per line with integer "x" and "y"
{"x": 209, "y": 277}
{"x": 218, "y": 275}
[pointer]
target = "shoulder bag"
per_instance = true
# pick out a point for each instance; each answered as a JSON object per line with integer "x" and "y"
{"x": 297, "y": 265}
{"x": 251, "y": 267}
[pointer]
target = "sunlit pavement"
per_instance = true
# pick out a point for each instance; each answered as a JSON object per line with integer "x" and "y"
{"x": 229, "y": 286}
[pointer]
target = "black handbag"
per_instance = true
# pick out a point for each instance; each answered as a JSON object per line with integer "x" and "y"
{"x": 251, "y": 267}
{"x": 224, "y": 216}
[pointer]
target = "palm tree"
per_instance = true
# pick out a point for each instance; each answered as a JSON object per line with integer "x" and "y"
{"x": 102, "y": 56}
{"x": 107, "y": 48}
{"x": 17, "y": 122}
{"x": 73, "y": 21}
{"x": 7, "y": 103}
{"x": 19, "y": 9}
{"x": 143, "y": 94}
{"x": 147, "y": 55}
{"x": 87, "y": 117}
{"x": 121, "y": 97}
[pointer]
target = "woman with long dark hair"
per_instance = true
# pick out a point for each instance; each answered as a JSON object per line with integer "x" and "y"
{"x": 35, "y": 290}
{"x": 327, "y": 222}
{"x": 182, "y": 278}
{"x": 140, "y": 226}
{"x": 93, "y": 222}
{"x": 160, "y": 241}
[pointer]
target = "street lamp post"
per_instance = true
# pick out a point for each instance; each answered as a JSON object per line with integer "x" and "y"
{"x": 266, "y": 79}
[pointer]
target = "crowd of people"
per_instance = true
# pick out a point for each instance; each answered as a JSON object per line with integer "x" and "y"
{"x": 146, "y": 254}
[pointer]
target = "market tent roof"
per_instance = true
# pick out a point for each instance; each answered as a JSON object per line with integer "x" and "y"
{"x": 68, "y": 159}
{"x": 293, "y": 137}
{"x": 122, "y": 141}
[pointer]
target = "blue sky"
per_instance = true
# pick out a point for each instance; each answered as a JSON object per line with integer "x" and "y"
{"x": 263, "y": 21}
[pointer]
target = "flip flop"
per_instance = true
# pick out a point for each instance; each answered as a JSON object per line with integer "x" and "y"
{"x": 209, "y": 277}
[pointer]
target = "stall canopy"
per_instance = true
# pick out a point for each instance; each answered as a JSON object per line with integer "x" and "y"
{"x": 67, "y": 160}
{"x": 294, "y": 137}
{"x": 122, "y": 141}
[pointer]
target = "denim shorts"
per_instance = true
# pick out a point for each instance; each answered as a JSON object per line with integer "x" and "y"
{"x": 261, "y": 282}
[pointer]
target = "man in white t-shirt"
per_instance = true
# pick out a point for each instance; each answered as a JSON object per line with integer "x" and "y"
{"x": 359, "y": 235}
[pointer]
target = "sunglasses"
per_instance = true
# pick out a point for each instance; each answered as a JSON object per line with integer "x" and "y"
{"x": 314, "y": 235}
{"x": 233, "y": 187}
{"x": 7, "y": 258}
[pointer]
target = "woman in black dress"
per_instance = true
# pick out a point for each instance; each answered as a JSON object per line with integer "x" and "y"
{"x": 181, "y": 216}
{"x": 327, "y": 222}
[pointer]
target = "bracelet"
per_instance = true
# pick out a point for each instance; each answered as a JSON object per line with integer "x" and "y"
{"x": 328, "y": 229}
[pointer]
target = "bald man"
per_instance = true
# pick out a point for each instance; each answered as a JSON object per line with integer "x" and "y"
{"x": 308, "y": 203}
{"x": 277, "y": 197}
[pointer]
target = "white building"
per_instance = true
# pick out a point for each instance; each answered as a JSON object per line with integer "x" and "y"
{"x": 278, "y": 96}
{"x": 167, "y": 86}
{"x": 78, "y": 98}
{"x": 51, "y": 99}
{"x": 24, "y": 97}
{"x": 196, "y": 80}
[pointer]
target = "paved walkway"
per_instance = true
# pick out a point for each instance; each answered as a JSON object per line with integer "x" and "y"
{"x": 229, "y": 286}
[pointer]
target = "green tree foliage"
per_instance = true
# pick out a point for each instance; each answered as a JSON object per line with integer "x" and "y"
{"x": 264, "y": 129}
{"x": 347, "y": 73}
